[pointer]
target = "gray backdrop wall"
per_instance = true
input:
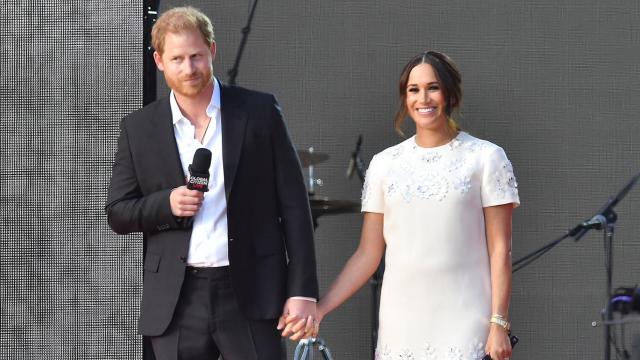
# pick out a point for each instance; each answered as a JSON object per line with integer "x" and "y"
{"x": 555, "y": 83}
{"x": 69, "y": 71}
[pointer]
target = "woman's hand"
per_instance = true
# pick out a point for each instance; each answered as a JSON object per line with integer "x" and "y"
{"x": 498, "y": 344}
{"x": 320, "y": 313}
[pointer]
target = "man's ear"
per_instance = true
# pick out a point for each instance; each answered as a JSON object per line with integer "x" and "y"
{"x": 158, "y": 59}
{"x": 213, "y": 50}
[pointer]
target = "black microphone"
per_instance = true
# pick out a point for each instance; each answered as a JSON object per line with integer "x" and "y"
{"x": 354, "y": 158}
{"x": 596, "y": 222}
{"x": 199, "y": 170}
{"x": 352, "y": 165}
{"x": 606, "y": 211}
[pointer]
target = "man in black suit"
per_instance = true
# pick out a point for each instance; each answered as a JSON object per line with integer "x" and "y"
{"x": 220, "y": 268}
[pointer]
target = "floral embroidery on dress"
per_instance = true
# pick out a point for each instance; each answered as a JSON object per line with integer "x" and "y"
{"x": 396, "y": 151}
{"x": 462, "y": 184}
{"x": 454, "y": 354}
{"x": 414, "y": 173}
{"x": 429, "y": 352}
{"x": 473, "y": 146}
{"x": 366, "y": 190}
{"x": 505, "y": 180}
{"x": 431, "y": 158}
{"x": 419, "y": 173}
{"x": 383, "y": 354}
{"x": 475, "y": 351}
{"x": 428, "y": 186}
{"x": 455, "y": 164}
{"x": 406, "y": 355}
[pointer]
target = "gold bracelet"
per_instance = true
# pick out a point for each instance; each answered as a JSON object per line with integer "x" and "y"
{"x": 500, "y": 320}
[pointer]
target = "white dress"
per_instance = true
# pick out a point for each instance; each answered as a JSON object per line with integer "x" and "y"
{"x": 436, "y": 292}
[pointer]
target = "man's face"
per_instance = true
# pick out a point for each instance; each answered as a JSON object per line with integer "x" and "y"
{"x": 186, "y": 62}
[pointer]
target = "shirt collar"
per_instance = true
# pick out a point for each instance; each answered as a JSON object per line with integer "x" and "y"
{"x": 214, "y": 104}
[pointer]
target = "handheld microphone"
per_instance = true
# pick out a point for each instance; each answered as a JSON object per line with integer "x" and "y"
{"x": 199, "y": 170}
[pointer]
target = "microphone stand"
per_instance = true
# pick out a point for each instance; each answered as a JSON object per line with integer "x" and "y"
{"x": 605, "y": 219}
{"x": 607, "y": 312}
{"x": 233, "y": 73}
{"x": 149, "y": 83}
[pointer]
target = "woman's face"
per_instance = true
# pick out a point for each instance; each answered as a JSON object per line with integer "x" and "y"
{"x": 425, "y": 99}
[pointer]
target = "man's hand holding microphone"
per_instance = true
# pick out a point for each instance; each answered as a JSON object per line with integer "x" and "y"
{"x": 186, "y": 200}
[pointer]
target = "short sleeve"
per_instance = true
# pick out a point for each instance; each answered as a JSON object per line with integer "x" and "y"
{"x": 499, "y": 184}
{"x": 372, "y": 191}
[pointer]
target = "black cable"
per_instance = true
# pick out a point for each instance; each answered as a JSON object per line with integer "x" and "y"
{"x": 623, "y": 344}
{"x": 233, "y": 73}
{"x": 528, "y": 259}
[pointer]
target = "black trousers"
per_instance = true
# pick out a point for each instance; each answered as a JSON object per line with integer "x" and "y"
{"x": 208, "y": 323}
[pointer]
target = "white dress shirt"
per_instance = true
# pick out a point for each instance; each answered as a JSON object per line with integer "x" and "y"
{"x": 209, "y": 239}
{"x": 208, "y": 246}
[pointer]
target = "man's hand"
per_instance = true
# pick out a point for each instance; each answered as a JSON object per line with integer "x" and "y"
{"x": 298, "y": 319}
{"x": 185, "y": 202}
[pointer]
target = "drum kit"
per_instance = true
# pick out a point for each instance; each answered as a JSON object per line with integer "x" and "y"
{"x": 321, "y": 205}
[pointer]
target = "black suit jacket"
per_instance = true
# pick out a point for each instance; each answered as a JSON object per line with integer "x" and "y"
{"x": 271, "y": 250}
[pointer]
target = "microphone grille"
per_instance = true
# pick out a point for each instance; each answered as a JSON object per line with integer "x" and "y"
{"x": 201, "y": 160}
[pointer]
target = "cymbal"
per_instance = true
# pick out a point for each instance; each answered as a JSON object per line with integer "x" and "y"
{"x": 308, "y": 158}
{"x": 326, "y": 206}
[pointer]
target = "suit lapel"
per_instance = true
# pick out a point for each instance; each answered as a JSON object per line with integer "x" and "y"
{"x": 234, "y": 120}
{"x": 162, "y": 132}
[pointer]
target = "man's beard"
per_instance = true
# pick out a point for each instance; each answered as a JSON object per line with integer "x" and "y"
{"x": 192, "y": 89}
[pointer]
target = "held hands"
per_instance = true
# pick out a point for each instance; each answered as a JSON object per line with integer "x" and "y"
{"x": 320, "y": 314}
{"x": 498, "y": 345}
{"x": 185, "y": 202}
{"x": 298, "y": 319}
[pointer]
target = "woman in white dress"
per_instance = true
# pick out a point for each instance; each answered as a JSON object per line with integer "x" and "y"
{"x": 439, "y": 206}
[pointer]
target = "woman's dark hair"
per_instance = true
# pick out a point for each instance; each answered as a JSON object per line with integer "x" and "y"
{"x": 450, "y": 82}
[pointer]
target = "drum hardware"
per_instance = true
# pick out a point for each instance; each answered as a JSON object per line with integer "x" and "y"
{"x": 626, "y": 320}
{"x": 309, "y": 158}
{"x": 626, "y": 302}
{"x": 326, "y": 206}
{"x": 304, "y": 350}
{"x": 321, "y": 205}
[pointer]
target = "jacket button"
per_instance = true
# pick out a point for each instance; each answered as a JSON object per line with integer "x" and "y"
{"x": 183, "y": 258}
{"x": 230, "y": 239}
